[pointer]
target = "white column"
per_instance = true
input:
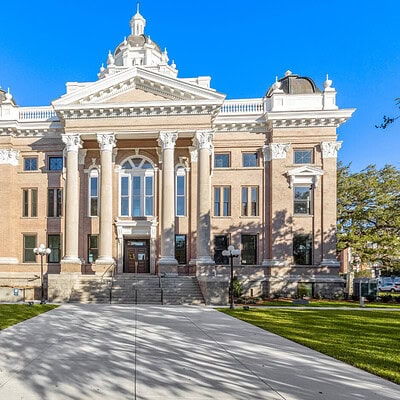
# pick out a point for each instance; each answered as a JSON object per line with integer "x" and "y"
{"x": 72, "y": 145}
{"x": 107, "y": 143}
{"x": 204, "y": 146}
{"x": 167, "y": 142}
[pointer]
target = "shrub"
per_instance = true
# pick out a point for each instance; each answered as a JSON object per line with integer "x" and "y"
{"x": 387, "y": 298}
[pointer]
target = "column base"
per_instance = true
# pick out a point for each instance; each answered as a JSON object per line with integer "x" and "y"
{"x": 104, "y": 266}
{"x": 71, "y": 264}
{"x": 168, "y": 266}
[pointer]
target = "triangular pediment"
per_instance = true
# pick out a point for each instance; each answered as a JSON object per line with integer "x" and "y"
{"x": 304, "y": 175}
{"x": 136, "y": 85}
{"x": 134, "y": 95}
{"x": 305, "y": 170}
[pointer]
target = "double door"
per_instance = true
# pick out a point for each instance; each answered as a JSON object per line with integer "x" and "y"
{"x": 136, "y": 256}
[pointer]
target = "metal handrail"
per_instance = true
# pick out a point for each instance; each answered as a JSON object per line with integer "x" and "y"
{"x": 161, "y": 288}
{"x": 111, "y": 268}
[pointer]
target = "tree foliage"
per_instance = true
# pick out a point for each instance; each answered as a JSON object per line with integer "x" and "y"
{"x": 389, "y": 120}
{"x": 369, "y": 214}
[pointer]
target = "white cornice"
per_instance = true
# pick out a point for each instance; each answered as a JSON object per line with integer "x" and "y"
{"x": 293, "y": 119}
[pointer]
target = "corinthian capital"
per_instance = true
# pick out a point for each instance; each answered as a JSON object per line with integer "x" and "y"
{"x": 204, "y": 139}
{"x": 330, "y": 149}
{"x": 106, "y": 140}
{"x": 275, "y": 151}
{"x": 72, "y": 142}
{"x": 166, "y": 140}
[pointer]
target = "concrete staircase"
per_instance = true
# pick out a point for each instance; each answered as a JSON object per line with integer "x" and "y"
{"x": 136, "y": 289}
{"x": 181, "y": 290}
{"x": 91, "y": 289}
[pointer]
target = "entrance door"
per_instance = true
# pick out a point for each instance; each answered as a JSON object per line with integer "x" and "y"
{"x": 136, "y": 256}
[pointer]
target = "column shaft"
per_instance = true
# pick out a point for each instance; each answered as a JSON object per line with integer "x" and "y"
{"x": 204, "y": 198}
{"x": 107, "y": 142}
{"x": 167, "y": 141}
{"x": 71, "y": 257}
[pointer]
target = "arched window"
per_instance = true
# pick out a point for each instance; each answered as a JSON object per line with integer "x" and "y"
{"x": 136, "y": 188}
{"x": 180, "y": 191}
{"x": 94, "y": 193}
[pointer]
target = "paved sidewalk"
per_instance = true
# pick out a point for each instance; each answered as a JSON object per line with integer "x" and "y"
{"x": 118, "y": 352}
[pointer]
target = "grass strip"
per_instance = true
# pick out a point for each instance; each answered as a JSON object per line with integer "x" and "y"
{"x": 11, "y": 314}
{"x": 365, "y": 339}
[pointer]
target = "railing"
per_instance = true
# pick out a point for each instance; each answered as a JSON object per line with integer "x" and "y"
{"x": 37, "y": 114}
{"x": 110, "y": 268}
{"x": 245, "y": 106}
{"x": 161, "y": 288}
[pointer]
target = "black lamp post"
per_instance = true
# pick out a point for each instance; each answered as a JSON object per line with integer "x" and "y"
{"x": 41, "y": 251}
{"x": 231, "y": 252}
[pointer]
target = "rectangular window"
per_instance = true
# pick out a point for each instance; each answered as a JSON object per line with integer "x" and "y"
{"x": 250, "y": 201}
{"x": 180, "y": 249}
{"x": 136, "y": 191}
{"x": 94, "y": 195}
{"x": 54, "y": 244}
{"x": 93, "y": 248}
{"x": 180, "y": 195}
{"x": 124, "y": 196}
{"x": 54, "y": 203}
{"x": 55, "y": 163}
{"x": 221, "y": 160}
{"x": 29, "y": 202}
{"x": 148, "y": 195}
{"x": 249, "y": 160}
{"x": 303, "y": 156}
{"x": 30, "y": 164}
{"x": 29, "y": 245}
{"x": 249, "y": 249}
{"x": 302, "y": 200}
{"x": 222, "y": 201}
{"x": 221, "y": 243}
{"x": 302, "y": 249}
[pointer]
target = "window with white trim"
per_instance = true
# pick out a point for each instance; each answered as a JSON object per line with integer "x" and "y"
{"x": 93, "y": 193}
{"x": 136, "y": 188}
{"x": 180, "y": 192}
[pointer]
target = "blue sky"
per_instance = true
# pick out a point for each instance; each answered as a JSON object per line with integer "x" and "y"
{"x": 242, "y": 45}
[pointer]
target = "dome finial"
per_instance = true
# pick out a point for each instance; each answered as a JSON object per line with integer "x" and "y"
{"x": 137, "y": 7}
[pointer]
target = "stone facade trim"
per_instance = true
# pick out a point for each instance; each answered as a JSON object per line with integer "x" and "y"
{"x": 9, "y": 156}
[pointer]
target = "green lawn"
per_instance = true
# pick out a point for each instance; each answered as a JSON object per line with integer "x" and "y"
{"x": 369, "y": 340}
{"x": 326, "y": 303}
{"x": 11, "y": 314}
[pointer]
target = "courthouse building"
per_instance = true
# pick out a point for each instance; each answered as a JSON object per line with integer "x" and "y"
{"x": 145, "y": 172}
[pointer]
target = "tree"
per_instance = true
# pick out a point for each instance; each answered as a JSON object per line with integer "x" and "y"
{"x": 369, "y": 214}
{"x": 389, "y": 120}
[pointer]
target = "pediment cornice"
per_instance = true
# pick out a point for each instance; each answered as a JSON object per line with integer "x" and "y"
{"x": 171, "y": 89}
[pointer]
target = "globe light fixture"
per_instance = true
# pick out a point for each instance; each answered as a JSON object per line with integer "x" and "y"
{"x": 232, "y": 253}
{"x": 42, "y": 251}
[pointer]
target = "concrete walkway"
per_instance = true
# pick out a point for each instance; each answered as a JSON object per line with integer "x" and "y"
{"x": 82, "y": 352}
